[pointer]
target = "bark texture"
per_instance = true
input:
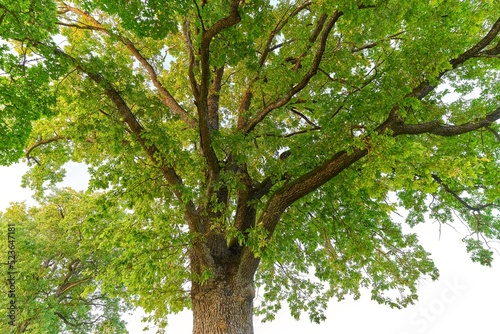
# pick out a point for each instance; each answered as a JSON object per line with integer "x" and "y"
{"x": 223, "y": 306}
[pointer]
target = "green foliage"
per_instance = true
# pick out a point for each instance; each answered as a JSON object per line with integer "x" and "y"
{"x": 57, "y": 285}
{"x": 349, "y": 243}
{"x": 151, "y": 18}
{"x": 283, "y": 140}
{"x": 22, "y": 100}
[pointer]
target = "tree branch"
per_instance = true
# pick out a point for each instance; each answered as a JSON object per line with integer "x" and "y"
{"x": 494, "y": 51}
{"x": 305, "y": 80}
{"x": 484, "y": 42}
{"x": 232, "y": 19}
{"x": 282, "y": 198}
{"x": 248, "y": 95}
{"x": 213, "y": 99}
{"x": 304, "y": 117}
{"x": 496, "y": 134}
{"x": 151, "y": 150}
{"x": 374, "y": 44}
{"x": 41, "y": 143}
{"x": 202, "y": 103}
{"x": 446, "y": 130}
{"x": 23, "y": 327}
{"x": 299, "y": 132}
{"x": 70, "y": 323}
{"x": 425, "y": 87}
{"x": 68, "y": 286}
{"x": 292, "y": 191}
{"x": 195, "y": 88}
{"x": 457, "y": 197}
{"x": 313, "y": 127}
{"x": 165, "y": 96}
{"x": 279, "y": 26}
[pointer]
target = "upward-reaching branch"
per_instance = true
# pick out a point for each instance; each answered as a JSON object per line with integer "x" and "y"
{"x": 202, "y": 103}
{"x": 279, "y": 26}
{"x": 195, "y": 88}
{"x": 425, "y": 87}
{"x": 165, "y": 96}
{"x": 484, "y": 42}
{"x": 213, "y": 99}
{"x": 152, "y": 152}
{"x": 268, "y": 47}
{"x": 232, "y": 19}
{"x": 305, "y": 79}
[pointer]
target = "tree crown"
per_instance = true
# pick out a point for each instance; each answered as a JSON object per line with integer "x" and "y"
{"x": 254, "y": 134}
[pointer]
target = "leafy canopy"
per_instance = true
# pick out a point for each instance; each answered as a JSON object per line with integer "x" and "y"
{"x": 55, "y": 288}
{"x": 281, "y": 134}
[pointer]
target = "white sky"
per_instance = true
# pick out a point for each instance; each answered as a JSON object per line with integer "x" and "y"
{"x": 465, "y": 299}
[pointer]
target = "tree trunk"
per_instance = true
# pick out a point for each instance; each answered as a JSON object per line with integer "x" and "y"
{"x": 223, "y": 306}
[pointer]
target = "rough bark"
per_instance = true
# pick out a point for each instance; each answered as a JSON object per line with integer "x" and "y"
{"x": 223, "y": 305}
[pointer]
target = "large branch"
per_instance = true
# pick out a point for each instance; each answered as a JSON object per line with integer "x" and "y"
{"x": 232, "y": 19}
{"x": 474, "y": 51}
{"x": 165, "y": 96}
{"x": 152, "y": 152}
{"x": 201, "y": 96}
{"x": 312, "y": 180}
{"x": 195, "y": 88}
{"x": 214, "y": 98}
{"x": 396, "y": 123}
{"x": 425, "y": 87}
{"x": 446, "y": 130}
{"x": 291, "y": 192}
{"x": 282, "y": 198}
{"x": 307, "y": 183}
{"x": 305, "y": 79}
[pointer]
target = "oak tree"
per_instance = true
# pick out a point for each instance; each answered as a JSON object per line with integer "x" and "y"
{"x": 236, "y": 144}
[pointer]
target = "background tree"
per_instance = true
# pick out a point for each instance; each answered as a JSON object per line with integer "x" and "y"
{"x": 249, "y": 143}
{"x": 57, "y": 263}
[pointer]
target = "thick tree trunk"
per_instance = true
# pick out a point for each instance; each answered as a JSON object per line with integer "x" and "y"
{"x": 223, "y": 306}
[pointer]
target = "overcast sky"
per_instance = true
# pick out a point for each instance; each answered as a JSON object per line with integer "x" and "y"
{"x": 465, "y": 299}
